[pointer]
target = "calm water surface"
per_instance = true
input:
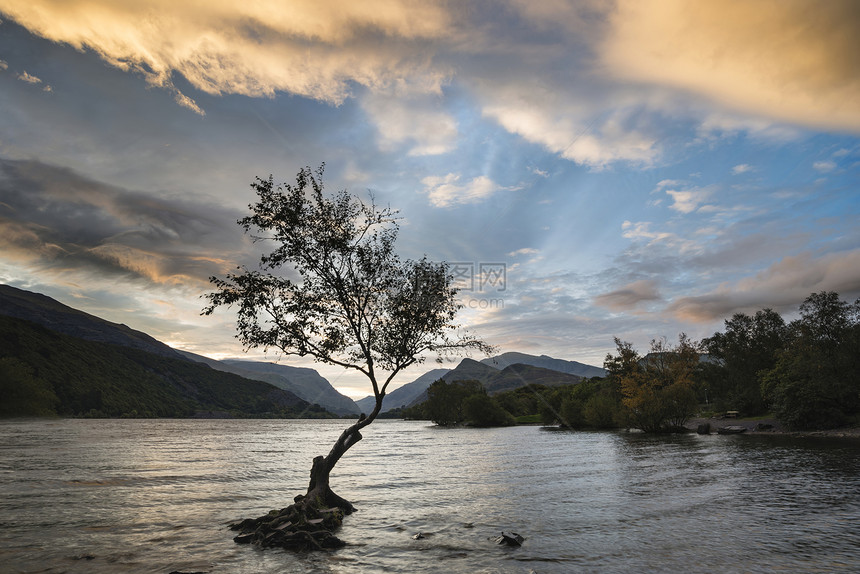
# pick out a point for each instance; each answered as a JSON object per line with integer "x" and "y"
{"x": 154, "y": 496}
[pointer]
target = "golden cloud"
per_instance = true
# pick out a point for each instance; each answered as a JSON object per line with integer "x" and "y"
{"x": 781, "y": 286}
{"x": 629, "y": 296}
{"x": 446, "y": 191}
{"x": 791, "y": 60}
{"x": 306, "y": 47}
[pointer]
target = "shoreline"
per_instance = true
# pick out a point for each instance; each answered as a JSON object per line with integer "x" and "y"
{"x": 775, "y": 428}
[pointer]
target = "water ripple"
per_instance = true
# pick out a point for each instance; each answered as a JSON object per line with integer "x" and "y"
{"x": 155, "y": 496}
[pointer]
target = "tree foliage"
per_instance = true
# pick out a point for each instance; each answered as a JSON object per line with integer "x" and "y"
{"x": 23, "y": 393}
{"x": 482, "y": 410}
{"x": 444, "y": 405}
{"x": 461, "y": 402}
{"x": 333, "y": 288}
{"x": 815, "y": 382}
{"x": 348, "y": 299}
{"x": 749, "y": 346}
{"x": 657, "y": 390}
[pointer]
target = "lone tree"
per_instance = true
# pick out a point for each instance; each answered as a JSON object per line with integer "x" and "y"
{"x": 345, "y": 298}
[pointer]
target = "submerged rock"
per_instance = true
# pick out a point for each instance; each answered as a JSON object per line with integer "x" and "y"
{"x": 509, "y": 539}
{"x": 732, "y": 429}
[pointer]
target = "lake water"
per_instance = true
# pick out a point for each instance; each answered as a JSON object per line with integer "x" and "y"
{"x": 154, "y": 496}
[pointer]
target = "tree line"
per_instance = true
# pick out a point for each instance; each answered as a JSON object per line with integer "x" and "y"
{"x": 805, "y": 372}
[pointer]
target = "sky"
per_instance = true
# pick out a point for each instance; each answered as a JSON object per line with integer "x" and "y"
{"x": 593, "y": 169}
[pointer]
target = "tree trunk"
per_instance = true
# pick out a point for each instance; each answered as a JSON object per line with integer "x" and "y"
{"x": 310, "y": 522}
{"x": 318, "y": 488}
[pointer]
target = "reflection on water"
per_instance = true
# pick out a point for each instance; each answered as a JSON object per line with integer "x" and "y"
{"x": 153, "y": 496}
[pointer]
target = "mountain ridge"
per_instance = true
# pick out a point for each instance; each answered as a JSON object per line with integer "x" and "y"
{"x": 57, "y": 360}
{"x": 304, "y": 382}
{"x": 50, "y": 313}
{"x": 48, "y": 373}
{"x": 404, "y": 395}
{"x": 546, "y": 362}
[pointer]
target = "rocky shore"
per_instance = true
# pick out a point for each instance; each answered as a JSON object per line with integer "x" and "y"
{"x": 770, "y": 426}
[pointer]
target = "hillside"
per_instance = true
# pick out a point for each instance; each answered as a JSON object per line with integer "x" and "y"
{"x": 304, "y": 382}
{"x": 546, "y": 362}
{"x": 510, "y": 377}
{"x": 43, "y": 372}
{"x": 467, "y": 370}
{"x": 404, "y": 395}
{"x": 519, "y": 375}
{"x": 52, "y": 314}
{"x": 471, "y": 370}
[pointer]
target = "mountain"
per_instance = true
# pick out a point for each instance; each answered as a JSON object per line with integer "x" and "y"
{"x": 519, "y": 375}
{"x": 404, "y": 395}
{"x": 471, "y": 370}
{"x": 512, "y": 376}
{"x": 467, "y": 370}
{"x": 306, "y": 383}
{"x": 560, "y": 365}
{"x": 44, "y": 372}
{"x": 56, "y": 360}
{"x": 52, "y": 314}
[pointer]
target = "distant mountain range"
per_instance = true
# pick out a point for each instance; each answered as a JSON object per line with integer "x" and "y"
{"x": 50, "y": 341}
{"x": 501, "y": 373}
{"x": 306, "y": 383}
{"x": 569, "y": 367}
{"x": 404, "y": 395}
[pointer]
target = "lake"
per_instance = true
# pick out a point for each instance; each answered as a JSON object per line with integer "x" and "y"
{"x": 155, "y": 495}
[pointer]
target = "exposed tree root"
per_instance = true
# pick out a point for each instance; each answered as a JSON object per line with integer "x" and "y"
{"x": 309, "y": 524}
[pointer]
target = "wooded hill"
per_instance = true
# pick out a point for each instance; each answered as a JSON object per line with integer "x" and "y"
{"x": 496, "y": 381}
{"x": 301, "y": 381}
{"x": 55, "y": 360}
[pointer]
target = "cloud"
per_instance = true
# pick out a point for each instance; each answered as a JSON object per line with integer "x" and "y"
{"x": 3, "y": 66}
{"x": 687, "y": 201}
{"x": 55, "y": 220}
{"x": 664, "y": 183}
{"x": 30, "y": 79}
{"x": 742, "y": 168}
{"x": 791, "y": 61}
{"x": 395, "y": 55}
{"x": 561, "y": 126}
{"x": 446, "y": 191}
{"x": 310, "y": 48}
{"x": 824, "y": 166}
{"x": 781, "y": 286}
{"x": 187, "y": 102}
{"x": 416, "y": 120}
{"x": 590, "y": 82}
{"x": 629, "y": 296}
{"x": 718, "y": 125}
{"x": 523, "y": 251}
{"x": 642, "y": 230}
